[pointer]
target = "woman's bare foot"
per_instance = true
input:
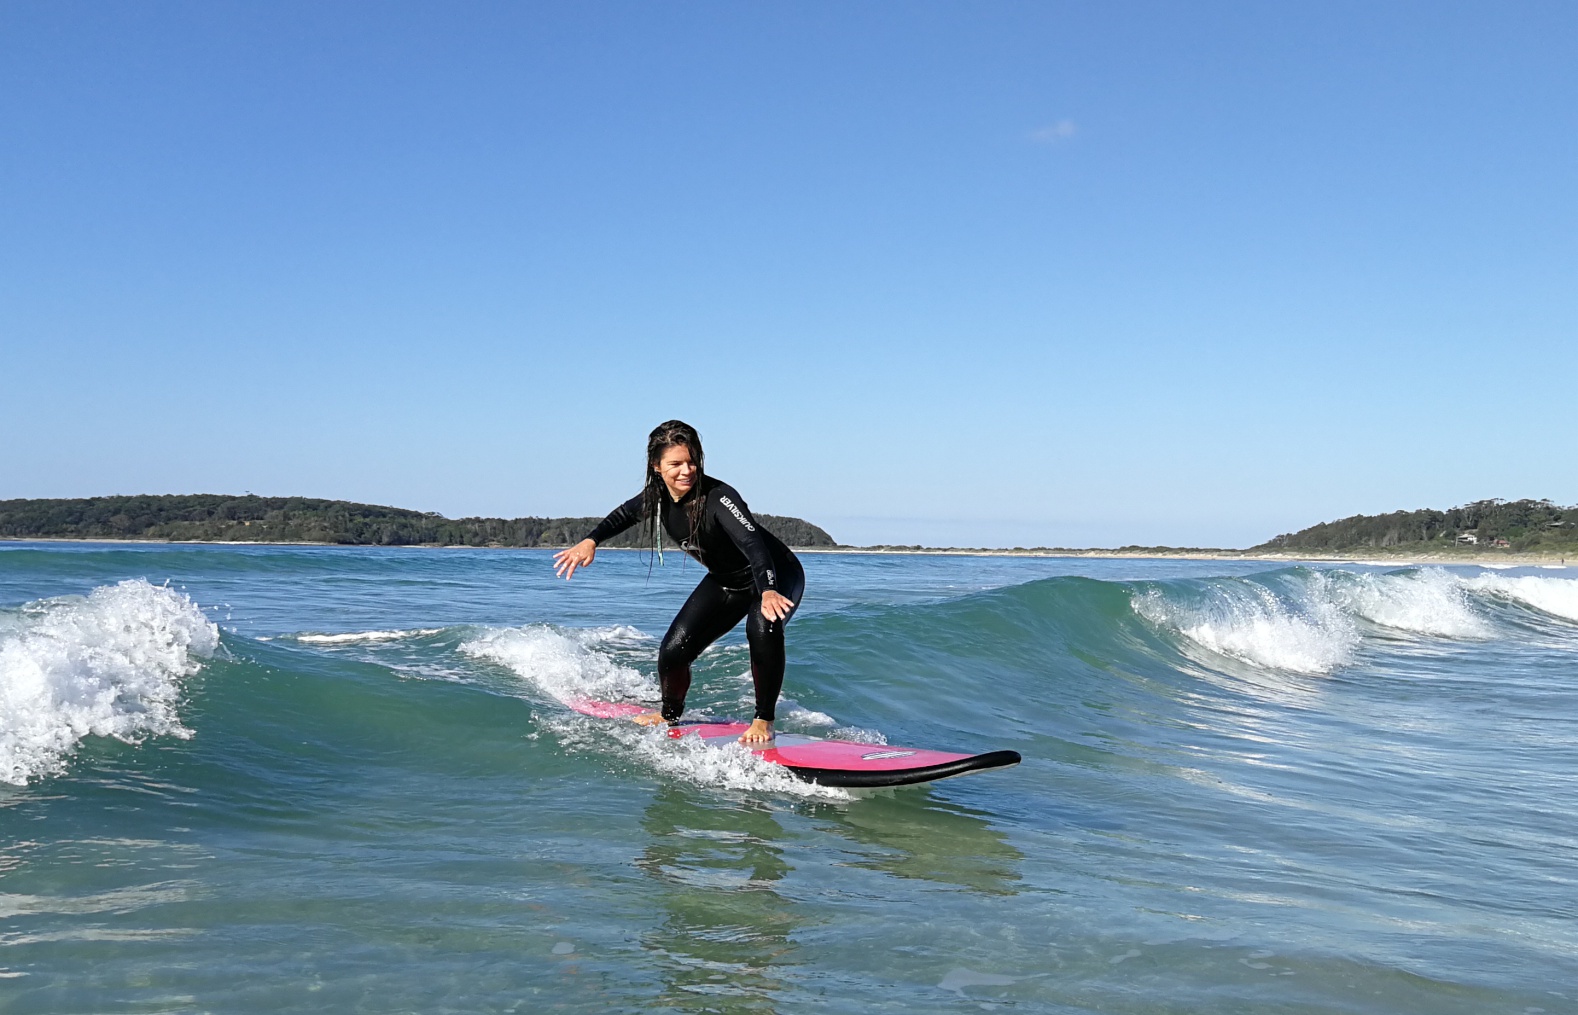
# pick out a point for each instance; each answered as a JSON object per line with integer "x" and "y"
{"x": 647, "y": 718}
{"x": 760, "y": 732}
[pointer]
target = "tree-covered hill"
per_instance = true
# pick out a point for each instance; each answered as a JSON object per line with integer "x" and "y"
{"x": 251, "y": 519}
{"x": 1526, "y": 525}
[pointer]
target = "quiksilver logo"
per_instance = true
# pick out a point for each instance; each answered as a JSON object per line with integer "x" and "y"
{"x": 726, "y": 502}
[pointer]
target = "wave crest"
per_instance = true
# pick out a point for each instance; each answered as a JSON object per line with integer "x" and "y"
{"x": 362, "y": 637}
{"x": 1555, "y": 596}
{"x": 108, "y": 664}
{"x": 1306, "y": 621}
{"x": 1249, "y": 622}
{"x": 1430, "y": 601}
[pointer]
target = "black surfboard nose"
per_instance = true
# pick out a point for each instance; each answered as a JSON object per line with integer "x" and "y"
{"x": 906, "y": 776}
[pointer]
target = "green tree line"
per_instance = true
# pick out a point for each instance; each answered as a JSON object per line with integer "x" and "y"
{"x": 1525, "y": 524}
{"x": 252, "y": 519}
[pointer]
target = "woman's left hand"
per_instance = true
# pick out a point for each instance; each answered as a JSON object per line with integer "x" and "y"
{"x": 571, "y": 557}
{"x": 774, "y": 606}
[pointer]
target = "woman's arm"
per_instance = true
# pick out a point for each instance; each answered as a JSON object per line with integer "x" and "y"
{"x": 618, "y": 520}
{"x": 566, "y": 561}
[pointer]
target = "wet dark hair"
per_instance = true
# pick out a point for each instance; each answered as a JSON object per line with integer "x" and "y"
{"x": 674, "y": 433}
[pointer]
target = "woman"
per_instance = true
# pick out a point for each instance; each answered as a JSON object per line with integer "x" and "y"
{"x": 751, "y": 574}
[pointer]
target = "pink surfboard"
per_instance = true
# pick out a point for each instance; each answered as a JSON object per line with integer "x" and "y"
{"x": 826, "y": 762}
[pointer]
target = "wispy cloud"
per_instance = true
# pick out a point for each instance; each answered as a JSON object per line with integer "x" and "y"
{"x": 1055, "y": 133}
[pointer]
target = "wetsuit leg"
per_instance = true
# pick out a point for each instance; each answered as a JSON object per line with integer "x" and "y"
{"x": 766, "y": 638}
{"x": 709, "y": 614}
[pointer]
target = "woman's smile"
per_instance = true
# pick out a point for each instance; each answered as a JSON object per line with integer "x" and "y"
{"x": 678, "y": 470}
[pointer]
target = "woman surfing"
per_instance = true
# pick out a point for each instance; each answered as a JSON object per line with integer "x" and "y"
{"x": 751, "y": 574}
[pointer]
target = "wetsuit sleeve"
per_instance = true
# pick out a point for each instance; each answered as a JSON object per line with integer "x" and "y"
{"x": 618, "y": 520}
{"x": 729, "y": 512}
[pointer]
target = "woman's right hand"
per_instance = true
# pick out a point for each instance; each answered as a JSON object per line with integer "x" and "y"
{"x": 580, "y": 555}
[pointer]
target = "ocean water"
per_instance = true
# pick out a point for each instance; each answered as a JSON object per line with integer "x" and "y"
{"x": 300, "y": 779}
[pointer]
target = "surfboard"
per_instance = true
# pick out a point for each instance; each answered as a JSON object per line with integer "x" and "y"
{"x": 844, "y": 763}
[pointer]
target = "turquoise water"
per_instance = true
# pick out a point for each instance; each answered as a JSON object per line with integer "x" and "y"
{"x": 340, "y": 780}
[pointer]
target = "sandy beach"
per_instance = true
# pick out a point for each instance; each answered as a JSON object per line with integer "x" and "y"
{"x": 1490, "y": 559}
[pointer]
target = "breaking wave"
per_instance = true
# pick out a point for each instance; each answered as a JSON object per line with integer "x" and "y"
{"x": 1555, "y": 596}
{"x": 109, "y": 664}
{"x": 1250, "y": 622}
{"x": 1430, "y": 601}
{"x": 1315, "y": 621}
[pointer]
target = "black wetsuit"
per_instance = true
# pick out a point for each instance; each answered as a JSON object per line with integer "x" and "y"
{"x": 743, "y": 560}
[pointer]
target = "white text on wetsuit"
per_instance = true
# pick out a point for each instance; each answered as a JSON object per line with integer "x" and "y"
{"x": 726, "y": 502}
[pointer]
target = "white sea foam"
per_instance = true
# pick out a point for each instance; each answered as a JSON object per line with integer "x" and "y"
{"x": 859, "y": 734}
{"x": 565, "y": 664}
{"x": 721, "y": 766}
{"x": 730, "y": 766}
{"x": 1248, "y": 622}
{"x": 800, "y": 717}
{"x": 616, "y": 636}
{"x": 788, "y": 708}
{"x": 108, "y": 665}
{"x": 362, "y": 637}
{"x": 1556, "y": 596}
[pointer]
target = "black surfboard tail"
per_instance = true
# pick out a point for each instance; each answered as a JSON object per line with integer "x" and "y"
{"x": 847, "y": 779}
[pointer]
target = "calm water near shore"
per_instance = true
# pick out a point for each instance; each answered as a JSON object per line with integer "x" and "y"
{"x": 310, "y": 779}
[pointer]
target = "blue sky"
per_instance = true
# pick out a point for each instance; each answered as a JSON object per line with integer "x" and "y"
{"x": 966, "y": 273}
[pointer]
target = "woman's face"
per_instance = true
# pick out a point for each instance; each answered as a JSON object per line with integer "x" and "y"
{"x": 677, "y": 470}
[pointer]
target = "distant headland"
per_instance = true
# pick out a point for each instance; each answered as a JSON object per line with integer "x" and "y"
{"x": 1521, "y": 530}
{"x": 1519, "y": 526}
{"x": 216, "y": 518}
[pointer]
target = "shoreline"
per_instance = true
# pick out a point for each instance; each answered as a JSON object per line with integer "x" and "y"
{"x": 1378, "y": 559}
{"x": 1382, "y": 560}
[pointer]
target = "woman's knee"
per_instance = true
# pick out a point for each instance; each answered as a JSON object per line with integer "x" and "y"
{"x": 681, "y": 646}
{"x": 761, "y": 631}
{"x": 675, "y": 652}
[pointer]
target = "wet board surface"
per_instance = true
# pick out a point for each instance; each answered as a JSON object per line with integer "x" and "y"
{"x": 844, "y": 763}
